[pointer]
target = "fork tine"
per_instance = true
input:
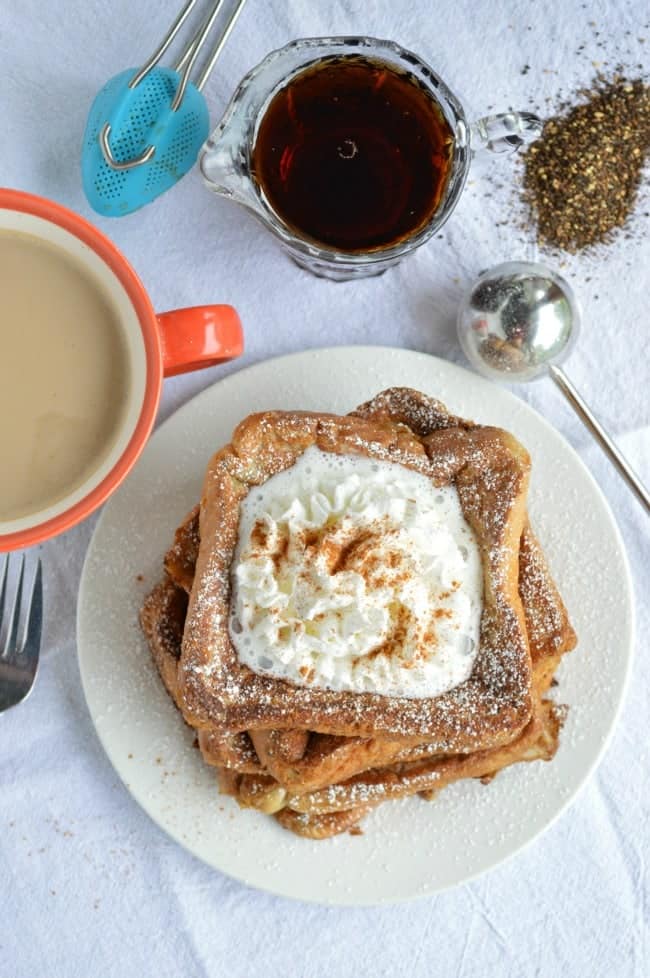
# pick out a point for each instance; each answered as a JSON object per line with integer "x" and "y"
{"x": 31, "y": 640}
{"x": 3, "y": 586}
{"x": 12, "y": 629}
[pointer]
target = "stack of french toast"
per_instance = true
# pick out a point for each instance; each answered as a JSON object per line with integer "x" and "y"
{"x": 314, "y": 634}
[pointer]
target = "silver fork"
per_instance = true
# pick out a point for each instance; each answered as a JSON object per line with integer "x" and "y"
{"x": 19, "y": 655}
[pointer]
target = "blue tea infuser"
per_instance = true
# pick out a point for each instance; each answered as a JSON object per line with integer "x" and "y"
{"x": 146, "y": 126}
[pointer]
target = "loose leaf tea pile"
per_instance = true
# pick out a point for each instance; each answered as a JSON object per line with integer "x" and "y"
{"x": 582, "y": 175}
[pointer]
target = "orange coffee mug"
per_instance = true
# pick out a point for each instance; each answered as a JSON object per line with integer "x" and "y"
{"x": 158, "y": 346}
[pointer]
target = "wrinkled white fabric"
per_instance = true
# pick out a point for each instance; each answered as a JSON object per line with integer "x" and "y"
{"x": 88, "y": 884}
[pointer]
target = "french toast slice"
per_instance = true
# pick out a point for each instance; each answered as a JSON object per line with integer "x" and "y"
{"x": 490, "y": 472}
{"x": 296, "y": 769}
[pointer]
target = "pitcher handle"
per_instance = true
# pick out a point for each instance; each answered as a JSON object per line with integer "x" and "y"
{"x": 505, "y": 132}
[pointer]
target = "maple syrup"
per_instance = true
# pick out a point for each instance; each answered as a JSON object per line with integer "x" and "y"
{"x": 353, "y": 154}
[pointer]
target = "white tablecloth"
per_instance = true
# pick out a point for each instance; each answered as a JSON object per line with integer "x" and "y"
{"x": 88, "y": 884}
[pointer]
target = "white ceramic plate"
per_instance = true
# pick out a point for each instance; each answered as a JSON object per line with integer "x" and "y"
{"x": 409, "y": 848}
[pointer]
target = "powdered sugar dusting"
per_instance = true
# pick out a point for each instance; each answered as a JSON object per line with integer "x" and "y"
{"x": 488, "y": 478}
{"x": 468, "y": 827}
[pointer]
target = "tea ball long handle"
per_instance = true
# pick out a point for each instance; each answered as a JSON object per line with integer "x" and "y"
{"x": 217, "y": 49}
{"x": 609, "y": 447}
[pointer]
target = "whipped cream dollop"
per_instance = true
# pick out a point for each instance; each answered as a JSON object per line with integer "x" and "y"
{"x": 356, "y": 575}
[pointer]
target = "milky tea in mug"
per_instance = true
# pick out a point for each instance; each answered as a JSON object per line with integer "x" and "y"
{"x": 65, "y": 374}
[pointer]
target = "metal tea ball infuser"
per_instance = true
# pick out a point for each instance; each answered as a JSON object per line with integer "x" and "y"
{"x": 520, "y": 320}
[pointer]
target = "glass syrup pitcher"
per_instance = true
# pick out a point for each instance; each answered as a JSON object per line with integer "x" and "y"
{"x": 352, "y": 151}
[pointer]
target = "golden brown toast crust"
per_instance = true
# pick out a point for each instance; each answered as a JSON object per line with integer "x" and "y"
{"x": 490, "y": 471}
{"x": 304, "y": 762}
{"x": 180, "y": 559}
{"x": 316, "y": 813}
{"x": 305, "y": 765}
{"x": 547, "y": 620}
{"x": 163, "y": 619}
{"x": 537, "y": 741}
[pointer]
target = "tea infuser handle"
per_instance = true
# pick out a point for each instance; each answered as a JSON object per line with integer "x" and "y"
{"x": 216, "y": 51}
{"x": 505, "y": 132}
{"x": 610, "y": 448}
{"x": 184, "y": 66}
{"x": 164, "y": 44}
{"x": 105, "y": 132}
{"x": 190, "y": 50}
{"x": 197, "y": 44}
{"x": 118, "y": 165}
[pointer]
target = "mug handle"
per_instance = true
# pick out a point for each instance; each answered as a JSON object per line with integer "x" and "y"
{"x": 198, "y": 337}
